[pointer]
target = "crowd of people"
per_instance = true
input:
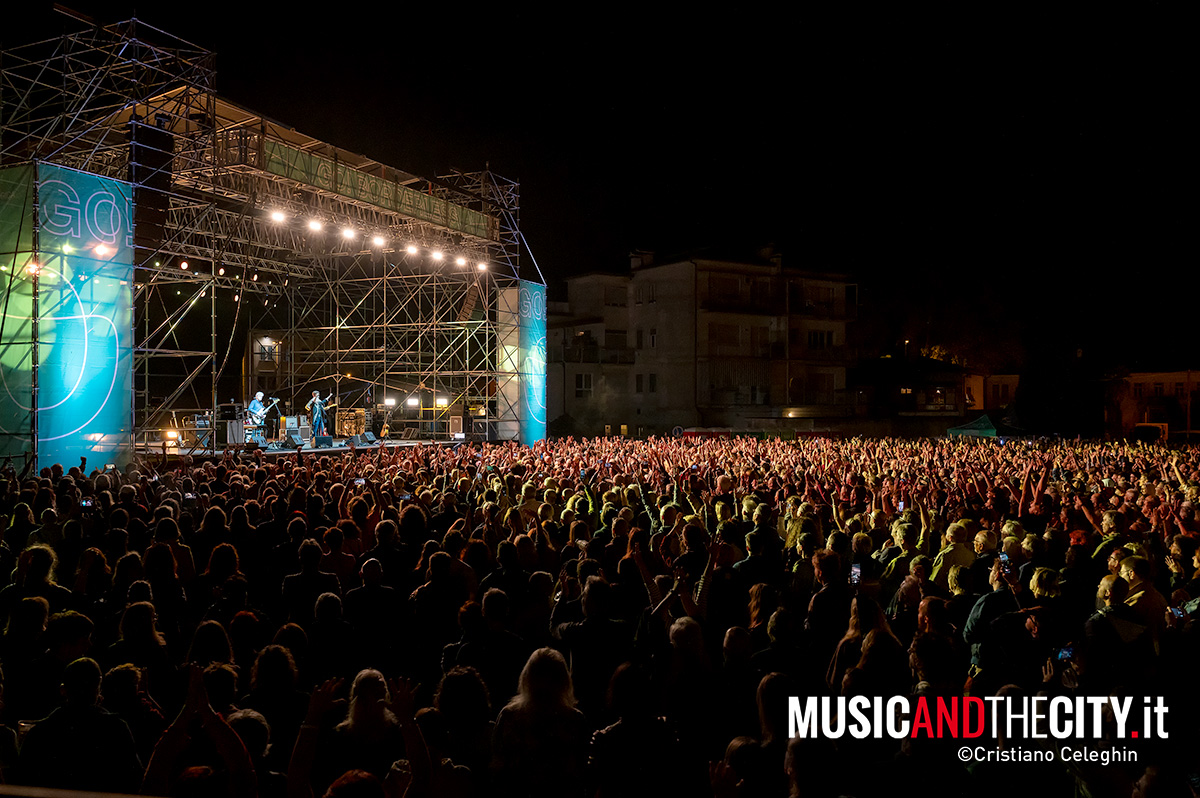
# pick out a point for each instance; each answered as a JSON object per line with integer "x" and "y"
{"x": 599, "y": 617}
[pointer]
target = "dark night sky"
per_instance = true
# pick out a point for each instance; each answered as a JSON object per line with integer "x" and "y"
{"x": 996, "y": 174}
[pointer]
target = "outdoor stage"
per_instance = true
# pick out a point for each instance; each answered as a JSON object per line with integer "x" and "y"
{"x": 168, "y": 249}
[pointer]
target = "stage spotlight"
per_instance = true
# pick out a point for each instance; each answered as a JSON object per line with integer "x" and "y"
{"x": 183, "y": 265}
{"x": 67, "y": 248}
{"x": 266, "y": 303}
{"x": 221, "y": 271}
{"x": 102, "y": 250}
{"x": 236, "y": 297}
{"x": 412, "y": 250}
{"x": 460, "y": 261}
{"x": 435, "y": 255}
{"x": 389, "y": 402}
{"x": 347, "y": 232}
{"x": 378, "y": 241}
{"x": 482, "y": 267}
{"x": 412, "y": 401}
{"x": 32, "y": 268}
{"x": 256, "y": 275}
{"x": 441, "y": 401}
{"x": 277, "y": 216}
{"x": 172, "y": 434}
{"x": 313, "y": 224}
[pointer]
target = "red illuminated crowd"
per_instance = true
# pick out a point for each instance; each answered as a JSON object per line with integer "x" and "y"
{"x": 598, "y": 617}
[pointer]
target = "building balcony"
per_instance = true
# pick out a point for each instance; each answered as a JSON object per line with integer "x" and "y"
{"x": 590, "y": 354}
{"x": 758, "y": 306}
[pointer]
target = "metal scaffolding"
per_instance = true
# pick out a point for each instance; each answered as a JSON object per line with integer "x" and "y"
{"x": 395, "y": 296}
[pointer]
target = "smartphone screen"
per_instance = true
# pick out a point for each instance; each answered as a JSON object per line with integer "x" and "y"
{"x": 855, "y": 573}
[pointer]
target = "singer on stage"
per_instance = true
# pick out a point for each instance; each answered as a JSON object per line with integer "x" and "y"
{"x": 317, "y": 406}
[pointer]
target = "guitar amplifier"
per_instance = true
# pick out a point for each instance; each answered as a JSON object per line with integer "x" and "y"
{"x": 291, "y": 422}
{"x": 305, "y": 431}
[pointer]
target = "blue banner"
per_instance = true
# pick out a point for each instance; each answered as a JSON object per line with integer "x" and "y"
{"x": 532, "y": 365}
{"x": 82, "y": 270}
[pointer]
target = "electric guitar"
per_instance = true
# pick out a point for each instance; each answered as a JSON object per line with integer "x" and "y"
{"x": 258, "y": 418}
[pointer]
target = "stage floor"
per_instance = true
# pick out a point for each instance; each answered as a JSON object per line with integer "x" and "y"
{"x": 339, "y": 447}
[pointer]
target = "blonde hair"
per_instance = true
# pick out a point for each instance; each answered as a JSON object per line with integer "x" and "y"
{"x": 545, "y": 683}
{"x": 1044, "y": 583}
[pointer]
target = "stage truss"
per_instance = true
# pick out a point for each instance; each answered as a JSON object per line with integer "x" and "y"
{"x": 379, "y": 316}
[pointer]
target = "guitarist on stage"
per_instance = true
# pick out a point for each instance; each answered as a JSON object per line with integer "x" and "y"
{"x": 257, "y": 410}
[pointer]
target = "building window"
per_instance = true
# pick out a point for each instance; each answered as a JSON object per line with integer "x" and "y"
{"x": 653, "y": 383}
{"x": 639, "y": 338}
{"x": 650, "y": 292}
{"x": 1137, "y": 390}
{"x": 266, "y": 352}
{"x": 637, "y": 383}
{"x": 637, "y": 295}
{"x": 615, "y": 297}
{"x": 583, "y": 386}
{"x": 615, "y": 339}
{"x": 653, "y": 337}
{"x": 1179, "y": 390}
{"x": 723, "y": 288}
{"x": 906, "y": 391}
{"x": 820, "y": 339}
{"x": 1158, "y": 390}
{"x": 1004, "y": 392}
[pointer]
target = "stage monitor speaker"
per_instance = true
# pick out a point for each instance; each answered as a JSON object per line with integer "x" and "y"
{"x": 355, "y": 440}
{"x": 456, "y": 425}
{"x": 324, "y": 441}
{"x": 230, "y": 433}
{"x": 294, "y": 441}
{"x": 368, "y": 437}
